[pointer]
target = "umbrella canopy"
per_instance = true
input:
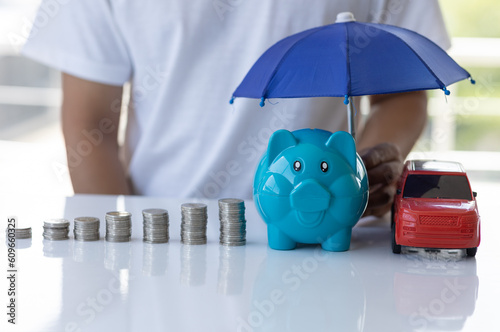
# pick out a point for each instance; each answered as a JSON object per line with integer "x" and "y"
{"x": 349, "y": 58}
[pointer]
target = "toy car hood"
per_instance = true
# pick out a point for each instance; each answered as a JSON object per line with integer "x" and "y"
{"x": 433, "y": 205}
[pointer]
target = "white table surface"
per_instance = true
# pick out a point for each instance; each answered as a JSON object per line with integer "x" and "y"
{"x": 102, "y": 286}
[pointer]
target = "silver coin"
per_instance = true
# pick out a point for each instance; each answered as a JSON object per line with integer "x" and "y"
{"x": 194, "y": 241}
{"x": 194, "y": 223}
{"x": 117, "y": 238}
{"x": 118, "y": 226}
{"x": 154, "y": 212}
{"x": 232, "y": 222}
{"x": 56, "y": 223}
{"x": 234, "y": 244}
{"x": 194, "y": 206}
{"x": 155, "y": 225}
{"x": 155, "y": 241}
{"x": 22, "y": 233}
{"x": 89, "y": 231}
{"x": 230, "y": 201}
{"x": 86, "y": 221}
{"x": 119, "y": 214}
{"x": 53, "y": 235}
{"x": 56, "y": 229}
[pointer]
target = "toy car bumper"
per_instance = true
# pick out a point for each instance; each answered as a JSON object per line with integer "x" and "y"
{"x": 442, "y": 241}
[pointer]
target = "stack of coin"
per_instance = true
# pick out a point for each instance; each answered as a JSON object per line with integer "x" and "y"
{"x": 232, "y": 222}
{"x": 155, "y": 225}
{"x": 118, "y": 226}
{"x": 56, "y": 229}
{"x": 86, "y": 229}
{"x": 194, "y": 223}
{"x": 22, "y": 233}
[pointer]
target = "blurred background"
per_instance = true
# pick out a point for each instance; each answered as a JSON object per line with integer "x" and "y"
{"x": 463, "y": 127}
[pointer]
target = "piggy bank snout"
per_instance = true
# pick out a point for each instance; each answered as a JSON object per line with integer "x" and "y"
{"x": 310, "y": 196}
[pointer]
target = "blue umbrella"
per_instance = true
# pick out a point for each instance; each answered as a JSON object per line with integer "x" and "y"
{"x": 348, "y": 59}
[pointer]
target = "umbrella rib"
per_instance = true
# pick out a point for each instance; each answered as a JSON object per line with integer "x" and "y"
{"x": 312, "y": 31}
{"x": 348, "y": 62}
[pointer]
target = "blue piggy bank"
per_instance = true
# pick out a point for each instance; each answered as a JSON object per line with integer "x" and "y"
{"x": 310, "y": 187}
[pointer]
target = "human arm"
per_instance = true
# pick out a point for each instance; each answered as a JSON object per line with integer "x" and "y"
{"x": 90, "y": 118}
{"x": 392, "y": 128}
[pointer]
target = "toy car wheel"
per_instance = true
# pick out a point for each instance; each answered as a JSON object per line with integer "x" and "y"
{"x": 396, "y": 248}
{"x": 471, "y": 252}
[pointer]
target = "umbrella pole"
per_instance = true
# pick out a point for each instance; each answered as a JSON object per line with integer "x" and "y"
{"x": 351, "y": 123}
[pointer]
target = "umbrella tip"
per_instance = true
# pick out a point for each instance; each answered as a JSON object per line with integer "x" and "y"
{"x": 262, "y": 102}
{"x": 446, "y": 91}
{"x": 346, "y": 100}
{"x": 345, "y": 17}
{"x": 231, "y": 101}
{"x": 472, "y": 81}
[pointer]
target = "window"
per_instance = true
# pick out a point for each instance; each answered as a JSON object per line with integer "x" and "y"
{"x": 437, "y": 186}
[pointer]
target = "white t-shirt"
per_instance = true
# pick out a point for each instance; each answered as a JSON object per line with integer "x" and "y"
{"x": 184, "y": 59}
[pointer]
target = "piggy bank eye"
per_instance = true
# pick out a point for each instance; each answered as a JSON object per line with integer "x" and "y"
{"x": 324, "y": 166}
{"x": 297, "y": 165}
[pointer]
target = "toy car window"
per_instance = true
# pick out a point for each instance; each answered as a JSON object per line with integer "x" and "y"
{"x": 437, "y": 186}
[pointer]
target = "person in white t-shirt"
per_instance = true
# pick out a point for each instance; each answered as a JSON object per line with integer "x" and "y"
{"x": 183, "y": 60}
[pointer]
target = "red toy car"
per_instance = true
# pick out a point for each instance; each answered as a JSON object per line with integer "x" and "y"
{"x": 434, "y": 207}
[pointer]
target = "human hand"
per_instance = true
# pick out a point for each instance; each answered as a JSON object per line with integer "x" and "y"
{"x": 384, "y": 165}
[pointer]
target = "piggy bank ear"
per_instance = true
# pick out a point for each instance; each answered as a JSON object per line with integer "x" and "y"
{"x": 279, "y": 141}
{"x": 343, "y": 143}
